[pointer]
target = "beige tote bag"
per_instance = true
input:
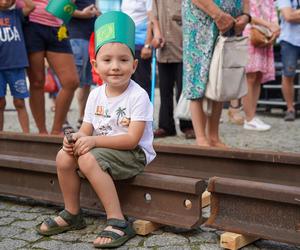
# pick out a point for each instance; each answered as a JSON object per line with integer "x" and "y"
{"x": 227, "y": 76}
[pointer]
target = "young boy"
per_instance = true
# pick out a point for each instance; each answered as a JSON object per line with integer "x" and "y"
{"x": 13, "y": 59}
{"x": 115, "y": 139}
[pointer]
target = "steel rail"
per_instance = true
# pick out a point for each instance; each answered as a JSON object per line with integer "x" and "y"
{"x": 182, "y": 160}
{"x": 34, "y": 156}
{"x": 269, "y": 211}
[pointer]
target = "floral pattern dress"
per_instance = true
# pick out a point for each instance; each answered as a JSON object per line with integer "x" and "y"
{"x": 262, "y": 59}
{"x": 199, "y": 36}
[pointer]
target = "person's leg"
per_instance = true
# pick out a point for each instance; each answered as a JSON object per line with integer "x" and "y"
{"x": 166, "y": 87}
{"x": 2, "y": 107}
{"x": 69, "y": 182}
{"x": 22, "y": 114}
{"x": 185, "y": 126}
{"x": 65, "y": 69}
{"x": 199, "y": 122}
{"x": 142, "y": 75}
{"x": 213, "y": 125}
{"x": 105, "y": 189}
{"x": 290, "y": 55}
{"x": 234, "y": 112}
{"x": 80, "y": 48}
{"x": 36, "y": 75}
{"x": 249, "y": 101}
{"x": 288, "y": 92}
{"x": 256, "y": 90}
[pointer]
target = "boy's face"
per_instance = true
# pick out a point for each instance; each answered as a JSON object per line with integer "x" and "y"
{"x": 5, "y": 4}
{"x": 115, "y": 64}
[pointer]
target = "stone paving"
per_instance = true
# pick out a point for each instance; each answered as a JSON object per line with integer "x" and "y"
{"x": 18, "y": 217}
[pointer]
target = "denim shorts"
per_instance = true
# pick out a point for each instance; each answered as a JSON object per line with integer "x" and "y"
{"x": 39, "y": 37}
{"x": 80, "y": 48}
{"x": 16, "y": 80}
{"x": 120, "y": 164}
{"x": 290, "y": 54}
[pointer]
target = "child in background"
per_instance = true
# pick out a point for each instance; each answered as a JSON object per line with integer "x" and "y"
{"x": 13, "y": 59}
{"x": 115, "y": 139}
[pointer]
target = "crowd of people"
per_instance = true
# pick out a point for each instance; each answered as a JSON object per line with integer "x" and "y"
{"x": 183, "y": 33}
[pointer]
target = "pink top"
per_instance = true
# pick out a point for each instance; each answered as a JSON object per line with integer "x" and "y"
{"x": 41, "y": 16}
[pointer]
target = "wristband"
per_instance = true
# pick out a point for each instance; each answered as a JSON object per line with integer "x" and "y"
{"x": 248, "y": 15}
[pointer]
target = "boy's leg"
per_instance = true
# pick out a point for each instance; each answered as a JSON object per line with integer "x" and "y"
{"x": 105, "y": 188}
{"x": 22, "y": 114}
{"x": 69, "y": 182}
{"x": 2, "y": 107}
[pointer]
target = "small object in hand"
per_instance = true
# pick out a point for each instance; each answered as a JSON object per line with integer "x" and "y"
{"x": 69, "y": 136}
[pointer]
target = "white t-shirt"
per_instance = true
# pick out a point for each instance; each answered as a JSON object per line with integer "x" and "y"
{"x": 137, "y": 9}
{"x": 112, "y": 115}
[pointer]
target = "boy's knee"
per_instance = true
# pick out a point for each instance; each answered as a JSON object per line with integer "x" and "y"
{"x": 2, "y": 103}
{"x": 86, "y": 163}
{"x": 19, "y": 103}
{"x": 64, "y": 161}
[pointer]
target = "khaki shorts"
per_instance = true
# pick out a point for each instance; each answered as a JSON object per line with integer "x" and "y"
{"x": 120, "y": 164}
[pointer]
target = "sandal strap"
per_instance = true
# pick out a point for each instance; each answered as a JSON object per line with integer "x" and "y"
{"x": 70, "y": 218}
{"x": 122, "y": 225}
{"x": 117, "y": 223}
{"x": 109, "y": 234}
{"x": 50, "y": 223}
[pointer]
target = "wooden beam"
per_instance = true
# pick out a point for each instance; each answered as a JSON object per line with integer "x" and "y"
{"x": 205, "y": 199}
{"x": 144, "y": 227}
{"x": 235, "y": 241}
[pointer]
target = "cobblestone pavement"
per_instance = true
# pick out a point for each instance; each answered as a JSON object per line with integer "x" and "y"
{"x": 18, "y": 217}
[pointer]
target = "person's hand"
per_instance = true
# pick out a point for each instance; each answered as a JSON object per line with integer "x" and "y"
{"x": 68, "y": 146}
{"x": 84, "y": 144}
{"x": 158, "y": 42}
{"x": 275, "y": 28}
{"x": 146, "y": 53}
{"x": 240, "y": 24}
{"x": 224, "y": 22}
{"x": 89, "y": 11}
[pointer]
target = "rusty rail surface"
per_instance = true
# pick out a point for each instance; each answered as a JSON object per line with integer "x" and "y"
{"x": 27, "y": 157}
{"x": 182, "y": 160}
{"x": 269, "y": 211}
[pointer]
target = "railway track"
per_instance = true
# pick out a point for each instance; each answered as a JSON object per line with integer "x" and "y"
{"x": 254, "y": 192}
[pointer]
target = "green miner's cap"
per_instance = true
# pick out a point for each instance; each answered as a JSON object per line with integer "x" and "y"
{"x": 114, "y": 26}
{"x": 62, "y": 9}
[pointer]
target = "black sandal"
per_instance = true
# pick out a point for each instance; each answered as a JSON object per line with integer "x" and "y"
{"x": 75, "y": 222}
{"x": 117, "y": 239}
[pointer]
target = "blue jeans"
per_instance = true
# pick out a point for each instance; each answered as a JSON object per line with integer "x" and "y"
{"x": 80, "y": 48}
{"x": 16, "y": 80}
{"x": 289, "y": 56}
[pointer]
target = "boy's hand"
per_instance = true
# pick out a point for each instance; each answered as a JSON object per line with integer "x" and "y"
{"x": 68, "y": 146}
{"x": 84, "y": 145}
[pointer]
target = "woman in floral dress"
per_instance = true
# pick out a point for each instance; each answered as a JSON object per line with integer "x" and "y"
{"x": 202, "y": 22}
{"x": 260, "y": 68}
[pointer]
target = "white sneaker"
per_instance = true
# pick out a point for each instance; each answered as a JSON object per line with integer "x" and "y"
{"x": 256, "y": 124}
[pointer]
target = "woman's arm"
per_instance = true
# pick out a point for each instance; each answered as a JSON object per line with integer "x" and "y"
{"x": 223, "y": 20}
